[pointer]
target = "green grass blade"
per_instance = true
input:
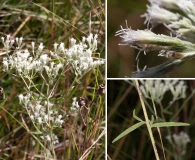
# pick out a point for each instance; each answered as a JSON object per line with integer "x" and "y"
{"x": 132, "y": 128}
{"x": 170, "y": 124}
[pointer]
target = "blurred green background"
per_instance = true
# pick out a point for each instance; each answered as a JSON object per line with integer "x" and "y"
{"x": 121, "y": 59}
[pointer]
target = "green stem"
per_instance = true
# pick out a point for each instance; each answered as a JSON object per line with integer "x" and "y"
{"x": 147, "y": 121}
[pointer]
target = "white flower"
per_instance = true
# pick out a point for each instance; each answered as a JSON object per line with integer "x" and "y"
{"x": 156, "y": 89}
{"x": 55, "y": 47}
{"x": 181, "y": 139}
{"x": 47, "y": 138}
{"x": 48, "y": 70}
{"x": 48, "y": 104}
{"x": 75, "y": 106}
{"x": 56, "y": 69}
{"x": 178, "y": 90}
{"x": 157, "y": 14}
{"x": 33, "y": 47}
{"x": 72, "y": 42}
{"x": 38, "y": 107}
{"x": 5, "y": 64}
{"x": 61, "y": 47}
{"x": 8, "y": 42}
{"x": 59, "y": 120}
{"x": 21, "y": 98}
{"x": 40, "y": 48}
{"x": 179, "y": 142}
{"x": 90, "y": 39}
{"x": 19, "y": 41}
{"x": 46, "y": 118}
{"x": 55, "y": 139}
{"x": 80, "y": 55}
{"x": 36, "y": 114}
{"x": 32, "y": 117}
{"x": 44, "y": 59}
{"x": 40, "y": 120}
{"x": 132, "y": 37}
{"x": 25, "y": 100}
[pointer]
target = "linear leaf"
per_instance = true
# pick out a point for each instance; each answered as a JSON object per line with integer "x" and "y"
{"x": 136, "y": 117}
{"x": 132, "y": 128}
{"x": 170, "y": 124}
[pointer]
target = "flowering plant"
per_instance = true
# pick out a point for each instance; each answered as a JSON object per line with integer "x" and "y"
{"x": 42, "y": 71}
{"x": 162, "y": 103}
{"x": 178, "y": 17}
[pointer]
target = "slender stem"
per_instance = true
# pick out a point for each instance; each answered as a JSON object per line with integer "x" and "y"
{"x": 147, "y": 121}
{"x": 158, "y": 129}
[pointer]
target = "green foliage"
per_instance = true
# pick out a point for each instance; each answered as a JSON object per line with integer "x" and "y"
{"x": 170, "y": 124}
{"x": 167, "y": 123}
{"x": 49, "y": 22}
{"x": 152, "y": 125}
{"x": 129, "y": 130}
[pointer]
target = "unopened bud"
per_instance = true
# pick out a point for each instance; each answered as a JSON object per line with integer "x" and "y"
{"x": 81, "y": 102}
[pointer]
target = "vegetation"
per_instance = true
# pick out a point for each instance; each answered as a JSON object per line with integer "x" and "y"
{"x": 157, "y": 125}
{"x": 52, "y": 80}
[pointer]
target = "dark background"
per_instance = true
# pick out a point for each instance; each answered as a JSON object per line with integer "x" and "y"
{"x": 122, "y": 99}
{"x": 121, "y": 59}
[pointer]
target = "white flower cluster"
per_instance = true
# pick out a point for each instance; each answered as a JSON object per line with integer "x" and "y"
{"x": 179, "y": 142}
{"x": 158, "y": 14}
{"x": 186, "y": 6}
{"x": 75, "y": 105}
{"x": 78, "y": 55}
{"x": 41, "y": 112}
{"x": 178, "y": 15}
{"x": 156, "y": 89}
{"x": 33, "y": 62}
{"x": 178, "y": 89}
{"x": 25, "y": 64}
{"x": 146, "y": 40}
{"x": 8, "y": 42}
{"x": 48, "y": 138}
{"x": 134, "y": 38}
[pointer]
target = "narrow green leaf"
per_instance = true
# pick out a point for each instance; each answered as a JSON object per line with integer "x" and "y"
{"x": 36, "y": 132}
{"x": 152, "y": 119}
{"x": 170, "y": 124}
{"x": 136, "y": 117}
{"x": 132, "y": 128}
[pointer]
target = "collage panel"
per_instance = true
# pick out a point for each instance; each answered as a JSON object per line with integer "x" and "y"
{"x": 150, "y": 39}
{"x": 150, "y": 119}
{"x": 97, "y": 80}
{"x": 52, "y": 80}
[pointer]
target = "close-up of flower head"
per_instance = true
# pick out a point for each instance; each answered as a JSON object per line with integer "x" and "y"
{"x": 166, "y": 48}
